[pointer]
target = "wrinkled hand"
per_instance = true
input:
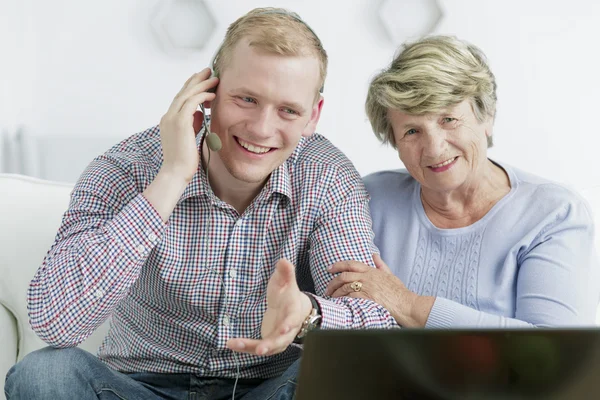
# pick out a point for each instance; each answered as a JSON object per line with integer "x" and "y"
{"x": 378, "y": 284}
{"x": 287, "y": 308}
{"x": 181, "y": 123}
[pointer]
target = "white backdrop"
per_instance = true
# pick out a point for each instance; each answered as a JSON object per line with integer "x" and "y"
{"x": 94, "y": 69}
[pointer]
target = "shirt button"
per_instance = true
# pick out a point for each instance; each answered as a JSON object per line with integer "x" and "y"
{"x": 99, "y": 293}
{"x": 152, "y": 237}
{"x": 232, "y": 273}
{"x": 226, "y": 320}
{"x": 141, "y": 249}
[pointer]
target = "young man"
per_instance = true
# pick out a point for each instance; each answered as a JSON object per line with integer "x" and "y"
{"x": 206, "y": 261}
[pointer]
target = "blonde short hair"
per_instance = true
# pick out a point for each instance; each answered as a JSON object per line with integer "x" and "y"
{"x": 428, "y": 76}
{"x": 276, "y": 31}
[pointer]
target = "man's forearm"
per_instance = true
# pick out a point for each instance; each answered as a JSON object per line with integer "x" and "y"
{"x": 88, "y": 272}
{"x": 165, "y": 191}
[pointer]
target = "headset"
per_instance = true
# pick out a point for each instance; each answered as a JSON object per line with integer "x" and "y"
{"x": 212, "y": 139}
{"x": 214, "y": 143}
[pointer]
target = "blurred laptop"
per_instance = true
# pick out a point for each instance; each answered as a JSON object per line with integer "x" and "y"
{"x": 451, "y": 364}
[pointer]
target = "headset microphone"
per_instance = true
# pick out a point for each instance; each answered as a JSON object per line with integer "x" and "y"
{"x": 212, "y": 139}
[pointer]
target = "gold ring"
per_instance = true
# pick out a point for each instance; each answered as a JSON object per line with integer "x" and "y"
{"x": 356, "y": 286}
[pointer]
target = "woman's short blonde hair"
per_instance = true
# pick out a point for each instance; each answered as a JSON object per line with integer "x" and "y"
{"x": 427, "y": 76}
{"x": 276, "y": 31}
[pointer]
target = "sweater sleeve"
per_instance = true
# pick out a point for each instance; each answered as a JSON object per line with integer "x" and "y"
{"x": 557, "y": 282}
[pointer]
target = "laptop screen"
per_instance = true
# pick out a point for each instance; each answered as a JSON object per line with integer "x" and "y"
{"x": 451, "y": 364}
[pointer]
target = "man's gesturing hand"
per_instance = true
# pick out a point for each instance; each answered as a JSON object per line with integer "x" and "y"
{"x": 287, "y": 308}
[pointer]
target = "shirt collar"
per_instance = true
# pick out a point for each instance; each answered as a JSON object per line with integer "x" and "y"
{"x": 279, "y": 181}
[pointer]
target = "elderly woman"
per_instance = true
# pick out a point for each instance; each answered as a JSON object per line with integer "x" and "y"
{"x": 470, "y": 242}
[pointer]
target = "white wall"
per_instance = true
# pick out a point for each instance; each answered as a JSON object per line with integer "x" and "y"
{"x": 94, "y": 69}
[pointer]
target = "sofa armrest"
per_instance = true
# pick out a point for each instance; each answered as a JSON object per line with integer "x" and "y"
{"x": 8, "y": 344}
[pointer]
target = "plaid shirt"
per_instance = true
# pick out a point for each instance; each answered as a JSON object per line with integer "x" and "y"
{"x": 177, "y": 292}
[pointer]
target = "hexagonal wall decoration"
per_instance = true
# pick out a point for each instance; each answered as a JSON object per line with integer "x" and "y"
{"x": 409, "y": 19}
{"x": 182, "y": 26}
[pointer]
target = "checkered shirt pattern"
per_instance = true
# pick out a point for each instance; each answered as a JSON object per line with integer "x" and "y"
{"x": 176, "y": 292}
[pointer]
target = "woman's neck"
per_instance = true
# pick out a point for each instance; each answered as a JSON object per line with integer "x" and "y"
{"x": 468, "y": 204}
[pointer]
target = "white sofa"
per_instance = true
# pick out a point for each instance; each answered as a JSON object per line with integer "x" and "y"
{"x": 30, "y": 214}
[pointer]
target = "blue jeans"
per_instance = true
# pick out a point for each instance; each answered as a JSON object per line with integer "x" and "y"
{"x": 76, "y": 374}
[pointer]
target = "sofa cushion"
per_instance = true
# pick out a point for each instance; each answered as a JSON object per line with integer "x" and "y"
{"x": 8, "y": 345}
{"x": 31, "y": 211}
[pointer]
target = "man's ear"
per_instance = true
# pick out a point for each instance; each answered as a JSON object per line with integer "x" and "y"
{"x": 315, "y": 114}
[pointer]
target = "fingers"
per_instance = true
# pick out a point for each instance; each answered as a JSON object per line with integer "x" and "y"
{"x": 199, "y": 88}
{"x": 348, "y": 266}
{"x": 274, "y": 344}
{"x": 188, "y": 118}
{"x": 244, "y": 345}
{"x": 346, "y": 290}
{"x": 379, "y": 264}
{"x": 192, "y": 80}
{"x": 358, "y": 295}
{"x": 195, "y": 79}
{"x": 190, "y": 106}
{"x": 205, "y": 72}
{"x": 197, "y": 83}
{"x": 259, "y": 347}
{"x": 285, "y": 273}
{"x": 342, "y": 279}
